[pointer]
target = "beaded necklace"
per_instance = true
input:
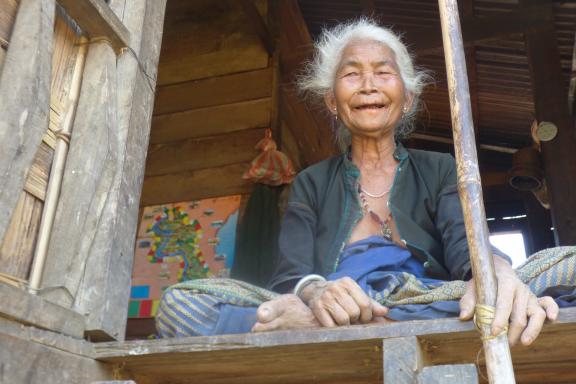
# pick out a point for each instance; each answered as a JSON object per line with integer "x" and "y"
{"x": 385, "y": 229}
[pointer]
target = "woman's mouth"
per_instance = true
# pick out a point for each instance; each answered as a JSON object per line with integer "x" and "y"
{"x": 373, "y": 106}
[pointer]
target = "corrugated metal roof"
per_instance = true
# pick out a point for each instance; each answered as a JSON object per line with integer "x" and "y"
{"x": 499, "y": 75}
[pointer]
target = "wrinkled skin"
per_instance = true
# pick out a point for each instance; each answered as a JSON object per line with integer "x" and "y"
{"x": 369, "y": 98}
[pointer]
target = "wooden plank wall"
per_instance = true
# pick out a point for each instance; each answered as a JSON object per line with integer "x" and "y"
{"x": 214, "y": 100}
{"x": 16, "y": 251}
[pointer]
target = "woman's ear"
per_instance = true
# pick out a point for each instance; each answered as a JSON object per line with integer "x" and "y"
{"x": 409, "y": 101}
{"x": 330, "y": 102}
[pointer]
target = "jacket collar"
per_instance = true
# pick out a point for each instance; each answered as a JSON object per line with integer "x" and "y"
{"x": 400, "y": 153}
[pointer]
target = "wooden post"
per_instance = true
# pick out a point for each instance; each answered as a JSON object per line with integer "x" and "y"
{"x": 93, "y": 241}
{"x": 402, "y": 360}
{"x": 24, "y": 99}
{"x": 550, "y": 104}
{"x": 498, "y": 359}
{"x": 449, "y": 374}
{"x": 90, "y": 173}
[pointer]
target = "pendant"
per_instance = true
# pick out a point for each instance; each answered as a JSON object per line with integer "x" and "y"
{"x": 386, "y": 231}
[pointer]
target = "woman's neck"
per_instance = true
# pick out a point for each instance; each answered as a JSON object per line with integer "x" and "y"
{"x": 373, "y": 154}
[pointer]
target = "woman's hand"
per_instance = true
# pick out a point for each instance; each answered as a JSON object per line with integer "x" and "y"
{"x": 515, "y": 304}
{"x": 341, "y": 302}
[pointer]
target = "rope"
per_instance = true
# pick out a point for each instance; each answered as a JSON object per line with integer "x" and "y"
{"x": 484, "y": 316}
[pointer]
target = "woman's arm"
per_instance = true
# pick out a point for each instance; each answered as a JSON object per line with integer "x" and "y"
{"x": 515, "y": 303}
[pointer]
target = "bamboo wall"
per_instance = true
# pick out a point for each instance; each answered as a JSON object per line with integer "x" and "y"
{"x": 17, "y": 249}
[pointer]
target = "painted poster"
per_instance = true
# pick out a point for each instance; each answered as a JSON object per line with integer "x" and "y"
{"x": 178, "y": 242}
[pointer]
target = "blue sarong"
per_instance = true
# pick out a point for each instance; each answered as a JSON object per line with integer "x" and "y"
{"x": 388, "y": 273}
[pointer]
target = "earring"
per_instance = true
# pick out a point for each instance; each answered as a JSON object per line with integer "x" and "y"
{"x": 335, "y": 114}
{"x": 405, "y": 109}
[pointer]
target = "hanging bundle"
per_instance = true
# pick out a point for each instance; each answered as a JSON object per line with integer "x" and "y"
{"x": 271, "y": 167}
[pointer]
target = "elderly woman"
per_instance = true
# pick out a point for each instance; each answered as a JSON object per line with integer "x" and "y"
{"x": 379, "y": 224}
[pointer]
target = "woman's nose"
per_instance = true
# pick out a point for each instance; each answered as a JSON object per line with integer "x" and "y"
{"x": 368, "y": 85}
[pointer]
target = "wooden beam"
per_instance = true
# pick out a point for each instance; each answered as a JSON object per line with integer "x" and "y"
{"x": 311, "y": 129}
{"x": 474, "y": 30}
{"x": 210, "y": 121}
{"x": 214, "y": 91}
{"x": 220, "y": 41}
{"x": 50, "y": 358}
{"x": 105, "y": 289}
{"x": 97, "y": 20}
{"x": 403, "y": 360}
{"x": 195, "y": 185}
{"x": 33, "y": 310}
{"x": 258, "y": 24}
{"x": 449, "y": 374}
{"x": 25, "y": 99}
{"x": 478, "y": 29}
{"x": 204, "y": 152}
{"x": 316, "y": 141}
{"x": 338, "y": 355}
{"x": 89, "y": 177}
{"x": 550, "y": 104}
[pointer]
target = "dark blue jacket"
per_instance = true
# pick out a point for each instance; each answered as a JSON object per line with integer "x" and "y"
{"x": 324, "y": 207}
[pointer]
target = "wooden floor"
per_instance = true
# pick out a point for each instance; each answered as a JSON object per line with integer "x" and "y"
{"x": 344, "y": 355}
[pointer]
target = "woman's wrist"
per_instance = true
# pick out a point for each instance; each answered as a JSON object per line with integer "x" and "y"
{"x": 311, "y": 289}
{"x": 306, "y": 281}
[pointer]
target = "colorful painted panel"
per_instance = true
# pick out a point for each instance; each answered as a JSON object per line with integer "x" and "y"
{"x": 178, "y": 242}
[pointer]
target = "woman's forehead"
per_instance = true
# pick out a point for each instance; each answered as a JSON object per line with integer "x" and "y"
{"x": 375, "y": 52}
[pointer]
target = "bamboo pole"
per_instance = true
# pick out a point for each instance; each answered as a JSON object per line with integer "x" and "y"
{"x": 57, "y": 171}
{"x": 496, "y": 349}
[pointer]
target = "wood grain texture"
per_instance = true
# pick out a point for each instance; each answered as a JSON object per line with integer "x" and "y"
{"x": 8, "y": 10}
{"x": 98, "y": 21}
{"x": 559, "y": 154}
{"x": 210, "y": 121}
{"x": 90, "y": 174}
{"x": 105, "y": 287}
{"x": 46, "y": 365}
{"x": 204, "y": 152}
{"x": 17, "y": 250}
{"x": 214, "y": 91}
{"x": 30, "y": 309}
{"x": 449, "y": 374}
{"x": 310, "y": 127}
{"x": 25, "y": 99}
{"x": 339, "y": 355}
{"x": 37, "y": 179}
{"x": 195, "y": 185}
{"x": 218, "y": 39}
{"x": 402, "y": 360}
{"x": 496, "y": 349}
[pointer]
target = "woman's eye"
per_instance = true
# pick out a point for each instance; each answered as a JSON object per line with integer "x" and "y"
{"x": 383, "y": 73}
{"x": 351, "y": 74}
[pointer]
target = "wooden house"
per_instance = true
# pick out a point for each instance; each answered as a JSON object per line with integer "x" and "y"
{"x": 109, "y": 107}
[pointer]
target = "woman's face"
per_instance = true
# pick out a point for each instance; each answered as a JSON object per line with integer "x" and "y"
{"x": 369, "y": 95}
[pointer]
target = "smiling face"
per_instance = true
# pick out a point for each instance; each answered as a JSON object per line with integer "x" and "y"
{"x": 368, "y": 95}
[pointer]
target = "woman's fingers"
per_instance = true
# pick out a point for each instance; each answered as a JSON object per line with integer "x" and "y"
{"x": 519, "y": 315}
{"x": 550, "y": 307}
{"x": 361, "y": 300}
{"x": 537, "y": 316}
{"x": 378, "y": 310}
{"x": 468, "y": 301}
{"x": 343, "y": 302}
{"x": 507, "y": 289}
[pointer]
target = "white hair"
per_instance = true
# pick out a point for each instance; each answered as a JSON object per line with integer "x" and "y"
{"x": 319, "y": 77}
